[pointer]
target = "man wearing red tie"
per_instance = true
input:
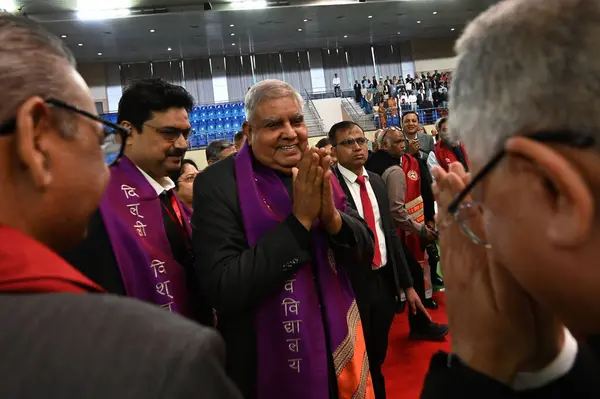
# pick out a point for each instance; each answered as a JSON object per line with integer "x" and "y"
{"x": 377, "y": 286}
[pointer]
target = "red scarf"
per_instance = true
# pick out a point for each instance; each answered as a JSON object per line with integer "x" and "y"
{"x": 414, "y": 204}
{"x": 27, "y": 266}
{"x": 445, "y": 156}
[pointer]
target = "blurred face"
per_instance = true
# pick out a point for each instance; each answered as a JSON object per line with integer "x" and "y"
{"x": 394, "y": 143}
{"x": 445, "y": 134}
{"x": 410, "y": 124}
{"x": 185, "y": 185}
{"x": 65, "y": 176}
{"x": 159, "y": 148}
{"x": 551, "y": 232}
{"x": 277, "y": 133}
{"x": 352, "y": 149}
{"x": 239, "y": 143}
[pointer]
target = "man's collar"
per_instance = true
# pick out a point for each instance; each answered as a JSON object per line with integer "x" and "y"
{"x": 166, "y": 184}
{"x": 351, "y": 176}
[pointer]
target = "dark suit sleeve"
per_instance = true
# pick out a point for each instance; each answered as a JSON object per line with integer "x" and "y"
{"x": 426, "y": 191}
{"x": 201, "y": 373}
{"x": 354, "y": 236}
{"x": 233, "y": 276}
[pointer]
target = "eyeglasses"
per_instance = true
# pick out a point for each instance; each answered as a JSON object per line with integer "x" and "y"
{"x": 361, "y": 141}
{"x": 115, "y": 136}
{"x": 171, "y": 134}
{"x": 464, "y": 213}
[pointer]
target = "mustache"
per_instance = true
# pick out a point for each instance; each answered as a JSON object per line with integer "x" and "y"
{"x": 177, "y": 152}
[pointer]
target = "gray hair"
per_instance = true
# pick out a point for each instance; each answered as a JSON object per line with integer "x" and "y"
{"x": 215, "y": 148}
{"x": 270, "y": 89}
{"x": 32, "y": 63}
{"x": 526, "y": 65}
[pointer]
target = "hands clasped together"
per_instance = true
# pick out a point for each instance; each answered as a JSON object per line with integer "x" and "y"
{"x": 312, "y": 193}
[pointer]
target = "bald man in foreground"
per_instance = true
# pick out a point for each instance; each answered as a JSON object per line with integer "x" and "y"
{"x": 520, "y": 246}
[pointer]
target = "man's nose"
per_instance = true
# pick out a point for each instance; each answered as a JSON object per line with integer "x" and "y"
{"x": 181, "y": 142}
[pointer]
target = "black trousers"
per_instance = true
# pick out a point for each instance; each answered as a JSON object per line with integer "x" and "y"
{"x": 417, "y": 322}
{"x": 377, "y": 306}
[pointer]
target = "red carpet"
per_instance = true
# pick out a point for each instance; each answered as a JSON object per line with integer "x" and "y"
{"x": 407, "y": 361}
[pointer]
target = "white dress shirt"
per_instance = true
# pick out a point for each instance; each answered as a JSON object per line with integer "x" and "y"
{"x": 552, "y": 372}
{"x": 354, "y": 188}
{"x": 336, "y": 81}
{"x": 164, "y": 185}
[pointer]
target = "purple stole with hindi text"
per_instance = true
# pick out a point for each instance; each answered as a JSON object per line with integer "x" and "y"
{"x": 132, "y": 213}
{"x": 292, "y": 356}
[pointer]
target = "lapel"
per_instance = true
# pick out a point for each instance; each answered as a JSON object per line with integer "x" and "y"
{"x": 342, "y": 181}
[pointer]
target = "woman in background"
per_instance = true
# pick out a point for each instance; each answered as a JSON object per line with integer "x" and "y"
{"x": 184, "y": 181}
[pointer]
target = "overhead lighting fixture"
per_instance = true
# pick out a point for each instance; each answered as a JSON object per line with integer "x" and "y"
{"x": 80, "y": 44}
{"x": 231, "y": 26}
{"x": 152, "y": 31}
{"x": 99, "y": 53}
{"x": 370, "y": 16}
{"x": 398, "y": 32}
{"x": 99, "y": 15}
{"x": 249, "y": 5}
{"x": 418, "y": 22}
{"x": 345, "y": 36}
{"x": 63, "y": 36}
{"x": 306, "y": 20}
{"x": 233, "y": 44}
{"x": 169, "y": 49}
{"x": 435, "y": 13}
{"x": 452, "y": 29}
{"x": 299, "y": 29}
{"x": 233, "y": 34}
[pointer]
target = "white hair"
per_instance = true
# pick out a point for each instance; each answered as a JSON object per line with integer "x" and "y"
{"x": 270, "y": 89}
{"x": 527, "y": 65}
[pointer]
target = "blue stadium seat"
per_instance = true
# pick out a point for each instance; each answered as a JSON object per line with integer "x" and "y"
{"x": 226, "y": 109}
{"x": 211, "y": 111}
{"x": 211, "y": 136}
{"x": 203, "y": 139}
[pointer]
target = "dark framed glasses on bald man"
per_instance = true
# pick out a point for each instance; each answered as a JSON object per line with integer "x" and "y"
{"x": 115, "y": 136}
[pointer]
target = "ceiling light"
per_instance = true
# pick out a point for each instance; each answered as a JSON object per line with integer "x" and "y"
{"x": 232, "y": 25}
{"x": 398, "y": 32}
{"x": 169, "y": 49}
{"x": 306, "y": 20}
{"x": 99, "y": 53}
{"x": 80, "y": 44}
{"x": 63, "y": 36}
{"x": 95, "y": 15}
{"x": 345, "y": 36}
{"x": 452, "y": 29}
{"x": 370, "y": 16}
{"x": 233, "y": 44}
{"x": 435, "y": 13}
{"x": 299, "y": 29}
{"x": 152, "y": 30}
{"x": 249, "y": 4}
{"x": 418, "y": 22}
{"x": 233, "y": 34}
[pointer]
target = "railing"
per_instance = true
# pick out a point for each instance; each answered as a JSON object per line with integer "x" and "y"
{"x": 311, "y": 105}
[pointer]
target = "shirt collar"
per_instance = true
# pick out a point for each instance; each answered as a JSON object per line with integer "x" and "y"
{"x": 350, "y": 176}
{"x": 166, "y": 184}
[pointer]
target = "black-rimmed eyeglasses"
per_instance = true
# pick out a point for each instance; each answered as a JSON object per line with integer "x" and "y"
{"x": 115, "y": 135}
{"x": 464, "y": 212}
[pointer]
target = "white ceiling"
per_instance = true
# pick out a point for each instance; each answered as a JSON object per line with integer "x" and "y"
{"x": 191, "y": 32}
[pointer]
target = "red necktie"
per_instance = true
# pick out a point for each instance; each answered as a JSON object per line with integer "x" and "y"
{"x": 369, "y": 217}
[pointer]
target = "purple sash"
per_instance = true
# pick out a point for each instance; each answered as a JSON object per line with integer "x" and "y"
{"x": 292, "y": 354}
{"x": 132, "y": 214}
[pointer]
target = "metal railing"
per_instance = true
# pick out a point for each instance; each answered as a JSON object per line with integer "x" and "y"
{"x": 312, "y": 109}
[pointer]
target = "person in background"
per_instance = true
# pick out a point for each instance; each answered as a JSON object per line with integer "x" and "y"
{"x": 140, "y": 220}
{"x": 336, "y": 82}
{"x": 325, "y": 143}
{"x": 60, "y": 338}
{"x": 274, "y": 238}
{"x": 219, "y": 149}
{"x": 520, "y": 238}
{"x": 377, "y": 286}
{"x": 447, "y": 150}
{"x": 184, "y": 181}
{"x": 402, "y": 175}
{"x": 239, "y": 139}
{"x": 357, "y": 92}
{"x": 418, "y": 143}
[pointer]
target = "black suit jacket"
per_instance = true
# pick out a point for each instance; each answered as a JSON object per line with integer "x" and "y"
{"x": 396, "y": 259}
{"x": 237, "y": 278}
{"x": 460, "y": 381}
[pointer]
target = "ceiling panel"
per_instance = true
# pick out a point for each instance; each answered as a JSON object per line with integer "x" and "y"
{"x": 191, "y": 32}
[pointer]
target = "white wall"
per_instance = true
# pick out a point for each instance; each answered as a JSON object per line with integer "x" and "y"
{"x": 330, "y": 110}
{"x": 432, "y": 54}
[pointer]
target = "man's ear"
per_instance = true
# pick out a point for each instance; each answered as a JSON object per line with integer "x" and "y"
{"x": 573, "y": 202}
{"x": 247, "y": 129}
{"x": 34, "y": 133}
{"x": 128, "y": 125}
